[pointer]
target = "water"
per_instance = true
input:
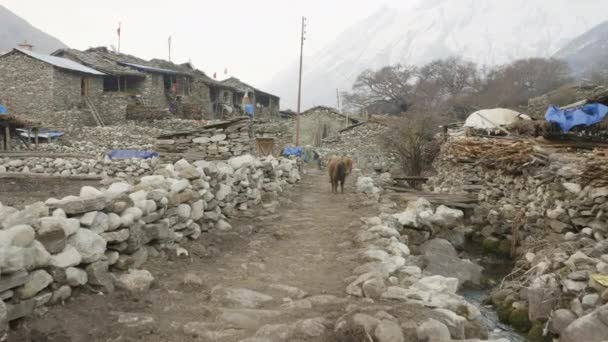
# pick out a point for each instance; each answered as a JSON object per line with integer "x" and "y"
{"x": 495, "y": 269}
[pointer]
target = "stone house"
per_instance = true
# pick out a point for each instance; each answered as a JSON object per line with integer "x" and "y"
{"x": 322, "y": 122}
{"x": 267, "y": 105}
{"x": 48, "y": 88}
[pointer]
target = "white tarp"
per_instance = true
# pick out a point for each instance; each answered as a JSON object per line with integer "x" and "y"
{"x": 491, "y": 118}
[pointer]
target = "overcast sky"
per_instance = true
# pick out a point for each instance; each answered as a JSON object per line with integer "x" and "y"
{"x": 252, "y": 39}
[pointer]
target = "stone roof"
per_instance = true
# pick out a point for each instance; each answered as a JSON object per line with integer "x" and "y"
{"x": 62, "y": 63}
{"x": 99, "y": 61}
{"x": 244, "y": 87}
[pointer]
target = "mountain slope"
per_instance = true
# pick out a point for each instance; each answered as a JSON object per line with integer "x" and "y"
{"x": 486, "y": 32}
{"x": 15, "y": 30}
{"x": 587, "y": 50}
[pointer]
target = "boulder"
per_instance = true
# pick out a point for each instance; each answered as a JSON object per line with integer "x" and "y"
{"x": 52, "y": 237}
{"x": 135, "y": 280}
{"x": 67, "y": 258}
{"x": 456, "y": 324}
{"x": 589, "y": 328}
{"x": 90, "y": 245}
{"x": 441, "y": 258}
{"x": 98, "y": 274}
{"x": 26, "y": 216}
{"x": 445, "y": 216}
{"x": 36, "y": 282}
{"x": 561, "y": 319}
{"x": 388, "y": 331}
{"x": 96, "y": 221}
{"x": 19, "y": 236}
{"x": 73, "y": 205}
{"x": 69, "y": 226}
{"x": 76, "y": 276}
{"x": 186, "y": 170}
{"x": 433, "y": 331}
{"x": 3, "y": 321}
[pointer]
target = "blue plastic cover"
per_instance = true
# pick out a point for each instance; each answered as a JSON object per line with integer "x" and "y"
{"x": 293, "y": 151}
{"x": 3, "y": 109}
{"x": 128, "y": 154}
{"x": 586, "y": 115}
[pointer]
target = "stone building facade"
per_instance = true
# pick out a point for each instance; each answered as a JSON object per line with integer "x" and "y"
{"x": 30, "y": 84}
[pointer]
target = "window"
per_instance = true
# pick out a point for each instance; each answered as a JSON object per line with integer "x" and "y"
{"x": 226, "y": 97}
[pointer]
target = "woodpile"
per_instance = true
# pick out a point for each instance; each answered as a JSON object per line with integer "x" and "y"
{"x": 18, "y": 121}
{"x": 509, "y": 155}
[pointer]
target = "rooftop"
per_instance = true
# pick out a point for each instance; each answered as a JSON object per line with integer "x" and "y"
{"x": 62, "y": 63}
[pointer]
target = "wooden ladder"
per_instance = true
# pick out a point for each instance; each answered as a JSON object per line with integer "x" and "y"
{"x": 94, "y": 111}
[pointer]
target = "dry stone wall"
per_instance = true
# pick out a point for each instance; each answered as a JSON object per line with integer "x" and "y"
{"x": 558, "y": 222}
{"x": 49, "y": 248}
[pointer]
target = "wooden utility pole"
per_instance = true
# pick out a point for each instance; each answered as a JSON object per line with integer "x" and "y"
{"x": 338, "y": 100}
{"x": 302, "y": 38}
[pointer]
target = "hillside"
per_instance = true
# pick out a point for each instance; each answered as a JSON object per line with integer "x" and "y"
{"x": 14, "y": 30}
{"x": 486, "y": 32}
{"x": 587, "y": 50}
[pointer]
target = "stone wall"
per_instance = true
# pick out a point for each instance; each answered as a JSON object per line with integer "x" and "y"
{"x": 200, "y": 96}
{"x": 153, "y": 91}
{"x": 112, "y": 106}
{"x": 230, "y": 140}
{"x": 93, "y": 239}
{"x": 282, "y": 131}
{"x": 25, "y": 86}
{"x": 552, "y": 219}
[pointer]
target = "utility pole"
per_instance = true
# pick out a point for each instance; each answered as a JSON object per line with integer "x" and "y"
{"x": 302, "y": 38}
{"x": 338, "y": 99}
{"x": 169, "y": 42}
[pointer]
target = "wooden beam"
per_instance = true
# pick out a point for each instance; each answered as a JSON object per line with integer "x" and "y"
{"x": 7, "y": 138}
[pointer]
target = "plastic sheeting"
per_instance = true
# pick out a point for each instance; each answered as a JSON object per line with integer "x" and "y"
{"x": 586, "y": 115}
{"x": 3, "y": 109}
{"x": 491, "y": 118}
{"x": 293, "y": 151}
{"x": 128, "y": 154}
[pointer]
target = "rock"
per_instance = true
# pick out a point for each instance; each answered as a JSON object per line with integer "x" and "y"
{"x": 8, "y": 282}
{"x": 311, "y": 327}
{"x": 445, "y": 216}
{"x": 437, "y": 283}
{"x": 36, "y": 282}
{"x": 61, "y": 294}
{"x": 384, "y": 231}
{"x": 13, "y": 259}
{"x": 598, "y": 192}
{"x": 119, "y": 188}
{"x": 184, "y": 211}
{"x": 388, "y": 331}
{"x": 89, "y": 191}
{"x": 116, "y": 236}
{"x": 67, "y": 258}
{"x": 19, "y": 236}
{"x": 198, "y": 209}
{"x": 69, "y": 226}
{"x": 96, "y": 221}
{"x": 26, "y": 216}
{"x": 433, "y": 331}
{"x": 135, "y": 280}
{"x": 590, "y": 301}
{"x": 240, "y": 296}
{"x": 455, "y": 323}
{"x": 574, "y": 286}
{"x": 572, "y": 188}
{"x": 561, "y": 320}
{"x": 373, "y": 288}
{"x": 591, "y": 327}
{"x": 578, "y": 259}
{"x": 75, "y": 205}
{"x": 191, "y": 279}
{"x": 223, "y": 226}
{"x": 76, "y": 277}
{"x": 98, "y": 274}
{"x": 238, "y": 162}
{"x": 201, "y": 140}
{"x": 90, "y": 245}
{"x": 180, "y": 185}
{"x": 186, "y": 170}
{"x": 441, "y": 258}
{"x": 541, "y": 302}
{"x": 53, "y": 238}
{"x": 558, "y": 226}
{"x": 3, "y": 321}
{"x": 291, "y": 291}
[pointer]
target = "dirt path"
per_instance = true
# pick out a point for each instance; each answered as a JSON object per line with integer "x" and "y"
{"x": 275, "y": 277}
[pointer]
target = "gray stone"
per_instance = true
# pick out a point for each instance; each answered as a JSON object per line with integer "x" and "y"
{"x": 388, "y": 331}
{"x": 135, "y": 280}
{"x": 3, "y": 321}
{"x": 373, "y": 288}
{"x": 240, "y": 296}
{"x": 186, "y": 170}
{"x": 589, "y": 328}
{"x": 456, "y": 324}
{"x": 76, "y": 277}
{"x": 61, "y": 294}
{"x": 198, "y": 209}
{"x": 96, "y": 221}
{"x": 291, "y": 291}
{"x": 116, "y": 236}
{"x": 21, "y": 309}
{"x": 590, "y": 301}
{"x": 440, "y": 258}
{"x": 433, "y": 331}
{"x": 26, "y": 216}
{"x": 90, "y": 245}
{"x": 75, "y": 205}
{"x": 99, "y": 275}
{"x": 36, "y": 282}
{"x": 69, "y": 226}
{"x": 561, "y": 319}
{"x": 13, "y": 259}
{"x": 68, "y": 257}
{"x": 19, "y": 236}
{"x": 180, "y": 185}
{"x": 8, "y": 282}
{"x": 52, "y": 237}
{"x": 135, "y": 260}
{"x": 223, "y": 226}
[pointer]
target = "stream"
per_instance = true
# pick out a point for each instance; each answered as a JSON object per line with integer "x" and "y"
{"x": 495, "y": 269}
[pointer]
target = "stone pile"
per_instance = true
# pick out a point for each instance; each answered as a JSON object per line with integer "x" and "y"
{"x": 426, "y": 283}
{"x": 127, "y": 169}
{"x": 553, "y": 220}
{"x": 222, "y": 142}
{"x": 49, "y": 248}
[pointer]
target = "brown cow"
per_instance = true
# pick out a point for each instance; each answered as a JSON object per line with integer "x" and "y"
{"x": 337, "y": 170}
{"x": 349, "y": 164}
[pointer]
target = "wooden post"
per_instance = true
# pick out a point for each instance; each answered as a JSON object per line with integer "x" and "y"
{"x": 36, "y": 136}
{"x": 7, "y": 137}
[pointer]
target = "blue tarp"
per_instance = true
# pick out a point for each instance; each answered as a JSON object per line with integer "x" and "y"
{"x": 294, "y": 151}
{"x": 586, "y": 115}
{"x": 3, "y": 109}
{"x": 128, "y": 154}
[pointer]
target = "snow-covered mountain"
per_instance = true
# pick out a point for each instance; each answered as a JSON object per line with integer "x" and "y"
{"x": 587, "y": 50}
{"x": 488, "y": 32}
{"x": 15, "y": 30}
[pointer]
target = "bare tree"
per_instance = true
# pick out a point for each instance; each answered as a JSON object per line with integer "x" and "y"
{"x": 389, "y": 90}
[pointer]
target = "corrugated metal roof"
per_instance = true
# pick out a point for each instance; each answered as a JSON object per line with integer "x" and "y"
{"x": 61, "y": 62}
{"x": 98, "y": 61}
{"x": 154, "y": 69}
